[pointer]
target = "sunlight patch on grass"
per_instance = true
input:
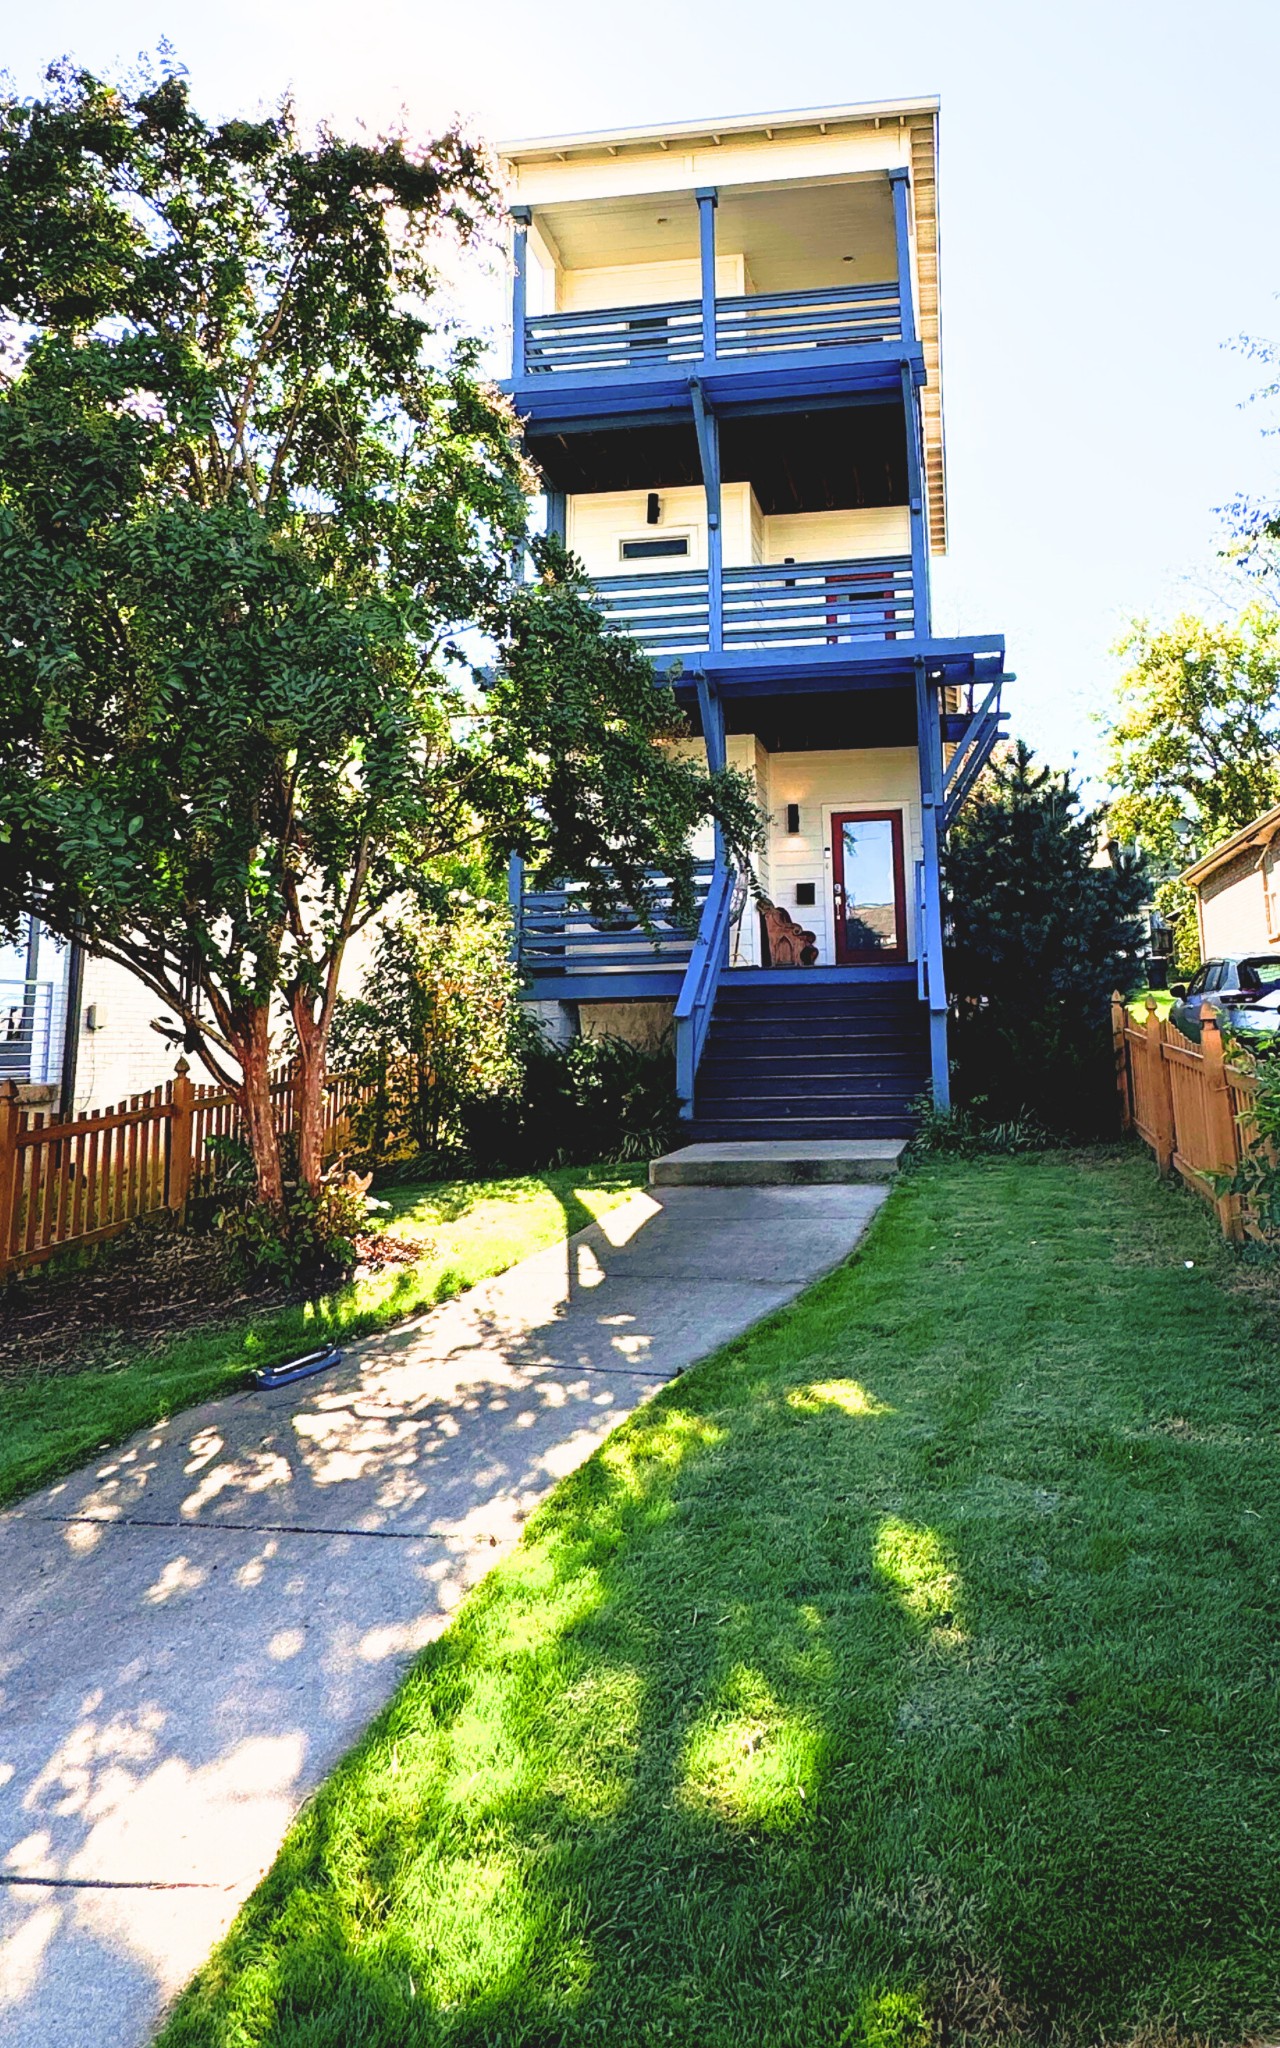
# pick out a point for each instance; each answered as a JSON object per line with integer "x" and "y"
{"x": 846, "y": 1395}
{"x": 749, "y": 1759}
{"x": 890, "y": 2019}
{"x": 914, "y": 1561}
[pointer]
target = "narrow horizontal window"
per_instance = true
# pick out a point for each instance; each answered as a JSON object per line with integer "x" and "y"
{"x": 647, "y": 550}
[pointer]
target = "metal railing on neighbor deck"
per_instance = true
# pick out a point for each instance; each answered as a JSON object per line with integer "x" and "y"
{"x": 636, "y": 337}
{"x": 771, "y": 604}
{"x": 558, "y": 934}
{"x": 30, "y": 1034}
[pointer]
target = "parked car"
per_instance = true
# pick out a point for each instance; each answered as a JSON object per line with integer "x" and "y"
{"x": 1244, "y": 992}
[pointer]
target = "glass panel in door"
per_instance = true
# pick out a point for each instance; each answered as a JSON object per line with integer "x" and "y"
{"x": 867, "y": 875}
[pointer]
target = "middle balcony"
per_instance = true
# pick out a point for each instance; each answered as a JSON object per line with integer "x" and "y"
{"x": 813, "y": 587}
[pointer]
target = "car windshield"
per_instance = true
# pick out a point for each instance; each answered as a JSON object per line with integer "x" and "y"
{"x": 1262, "y": 975}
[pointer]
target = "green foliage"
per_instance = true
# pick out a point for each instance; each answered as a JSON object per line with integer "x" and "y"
{"x": 1194, "y": 745}
{"x": 1256, "y": 1179}
{"x": 311, "y": 1237}
{"x": 596, "y": 1098}
{"x": 1039, "y": 934}
{"x": 966, "y": 1131}
{"x": 253, "y": 491}
{"x": 432, "y": 1027}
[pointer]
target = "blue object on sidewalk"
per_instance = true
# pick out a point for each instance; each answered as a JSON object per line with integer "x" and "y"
{"x": 297, "y": 1368}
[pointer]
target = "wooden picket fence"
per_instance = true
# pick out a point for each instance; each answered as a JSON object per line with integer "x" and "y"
{"x": 72, "y": 1182}
{"x": 1187, "y": 1102}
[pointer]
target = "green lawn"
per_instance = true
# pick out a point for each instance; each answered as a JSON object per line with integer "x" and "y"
{"x": 906, "y": 1674}
{"x": 471, "y": 1229}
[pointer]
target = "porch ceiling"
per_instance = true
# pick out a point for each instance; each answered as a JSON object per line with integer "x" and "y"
{"x": 826, "y": 459}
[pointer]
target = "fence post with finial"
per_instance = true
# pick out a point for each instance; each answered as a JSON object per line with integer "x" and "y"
{"x": 10, "y": 1117}
{"x": 1164, "y": 1121}
{"x": 1222, "y": 1130}
{"x": 1119, "y": 1019}
{"x": 178, "y": 1176}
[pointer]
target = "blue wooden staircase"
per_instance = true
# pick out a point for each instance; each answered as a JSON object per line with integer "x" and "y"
{"x": 810, "y": 1060}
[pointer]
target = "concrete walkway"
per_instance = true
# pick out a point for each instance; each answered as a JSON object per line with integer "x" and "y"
{"x": 195, "y": 1629}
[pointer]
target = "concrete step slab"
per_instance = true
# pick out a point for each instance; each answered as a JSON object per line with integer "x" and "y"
{"x": 756, "y": 1162}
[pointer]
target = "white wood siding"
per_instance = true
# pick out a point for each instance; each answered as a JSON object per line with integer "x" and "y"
{"x": 865, "y": 778}
{"x": 646, "y": 284}
{"x": 853, "y": 536}
{"x": 597, "y": 522}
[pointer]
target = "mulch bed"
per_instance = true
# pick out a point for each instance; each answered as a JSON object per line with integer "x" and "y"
{"x": 138, "y": 1293}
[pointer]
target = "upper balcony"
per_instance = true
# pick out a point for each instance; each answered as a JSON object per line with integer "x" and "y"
{"x": 802, "y": 288}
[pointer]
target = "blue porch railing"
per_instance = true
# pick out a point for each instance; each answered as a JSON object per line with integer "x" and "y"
{"x": 697, "y": 997}
{"x": 633, "y": 337}
{"x": 558, "y": 935}
{"x": 819, "y": 319}
{"x": 776, "y": 604}
{"x": 974, "y": 731}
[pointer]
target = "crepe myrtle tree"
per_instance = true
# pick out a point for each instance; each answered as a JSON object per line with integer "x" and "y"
{"x": 256, "y": 497}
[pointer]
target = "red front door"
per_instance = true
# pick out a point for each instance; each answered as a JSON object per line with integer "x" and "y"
{"x": 867, "y": 879}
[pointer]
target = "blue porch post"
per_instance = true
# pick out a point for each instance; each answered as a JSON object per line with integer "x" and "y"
{"x": 707, "y": 198}
{"x": 921, "y": 603}
{"x": 708, "y": 430}
{"x": 899, "y": 180}
{"x": 522, "y": 217}
{"x": 557, "y": 514}
{"x": 929, "y": 941}
{"x": 515, "y": 897}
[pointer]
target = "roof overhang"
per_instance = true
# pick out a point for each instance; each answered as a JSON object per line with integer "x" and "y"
{"x": 1260, "y": 834}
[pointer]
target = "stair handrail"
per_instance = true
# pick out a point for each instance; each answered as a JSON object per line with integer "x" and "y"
{"x": 697, "y": 996}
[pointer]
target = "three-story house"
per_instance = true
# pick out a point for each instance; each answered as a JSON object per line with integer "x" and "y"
{"x": 725, "y": 350}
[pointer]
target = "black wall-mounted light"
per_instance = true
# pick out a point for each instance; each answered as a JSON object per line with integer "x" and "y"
{"x": 653, "y": 511}
{"x": 793, "y": 817}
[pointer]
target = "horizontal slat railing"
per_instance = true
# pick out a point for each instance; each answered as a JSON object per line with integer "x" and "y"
{"x": 615, "y": 338}
{"x": 666, "y": 611}
{"x": 864, "y": 313}
{"x": 818, "y": 603}
{"x": 30, "y": 1041}
{"x": 629, "y": 337}
{"x": 776, "y": 604}
{"x": 560, "y": 935}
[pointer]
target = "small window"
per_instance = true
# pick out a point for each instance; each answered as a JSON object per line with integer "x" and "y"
{"x": 650, "y": 550}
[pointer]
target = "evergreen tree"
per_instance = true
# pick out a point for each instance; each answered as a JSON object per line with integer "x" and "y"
{"x": 1043, "y": 925}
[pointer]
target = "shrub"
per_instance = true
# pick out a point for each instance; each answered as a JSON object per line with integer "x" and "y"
{"x": 435, "y": 1025}
{"x": 596, "y": 1098}
{"x": 1041, "y": 930}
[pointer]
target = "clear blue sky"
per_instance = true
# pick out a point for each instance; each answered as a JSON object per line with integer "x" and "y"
{"x": 1109, "y": 182}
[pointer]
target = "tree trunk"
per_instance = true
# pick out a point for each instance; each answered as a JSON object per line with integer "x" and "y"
{"x": 312, "y": 1071}
{"x": 252, "y": 1048}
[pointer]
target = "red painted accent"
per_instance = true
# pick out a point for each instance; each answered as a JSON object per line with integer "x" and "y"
{"x": 850, "y": 956}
